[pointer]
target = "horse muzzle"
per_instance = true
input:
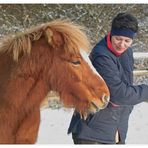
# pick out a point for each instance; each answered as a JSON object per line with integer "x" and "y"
{"x": 99, "y": 104}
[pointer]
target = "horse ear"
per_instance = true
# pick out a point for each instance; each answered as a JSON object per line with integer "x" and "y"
{"x": 54, "y": 38}
{"x": 49, "y": 35}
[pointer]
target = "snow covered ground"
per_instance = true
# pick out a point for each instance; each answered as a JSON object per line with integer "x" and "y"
{"x": 138, "y": 125}
{"x": 54, "y": 124}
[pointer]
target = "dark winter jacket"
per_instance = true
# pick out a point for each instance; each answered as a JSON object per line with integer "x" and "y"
{"x": 118, "y": 74}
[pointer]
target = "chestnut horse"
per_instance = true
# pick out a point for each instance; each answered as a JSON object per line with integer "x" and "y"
{"x": 45, "y": 58}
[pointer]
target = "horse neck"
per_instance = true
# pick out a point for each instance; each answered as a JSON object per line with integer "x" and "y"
{"x": 6, "y": 64}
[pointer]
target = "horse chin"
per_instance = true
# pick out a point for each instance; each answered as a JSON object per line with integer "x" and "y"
{"x": 91, "y": 111}
{"x": 93, "y": 108}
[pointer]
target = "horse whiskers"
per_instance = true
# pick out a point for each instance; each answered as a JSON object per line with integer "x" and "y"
{"x": 93, "y": 109}
{"x": 83, "y": 115}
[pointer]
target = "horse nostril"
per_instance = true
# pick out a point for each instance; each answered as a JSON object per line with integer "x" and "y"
{"x": 105, "y": 98}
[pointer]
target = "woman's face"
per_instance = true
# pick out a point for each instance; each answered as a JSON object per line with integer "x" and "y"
{"x": 121, "y": 43}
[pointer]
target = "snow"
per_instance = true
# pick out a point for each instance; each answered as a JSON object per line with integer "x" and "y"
{"x": 54, "y": 125}
{"x": 140, "y": 55}
{"x": 138, "y": 125}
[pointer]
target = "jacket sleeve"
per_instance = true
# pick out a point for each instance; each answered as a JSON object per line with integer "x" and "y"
{"x": 121, "y": 92}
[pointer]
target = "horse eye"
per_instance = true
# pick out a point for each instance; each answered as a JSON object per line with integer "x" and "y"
{"x": 76, "y": 62}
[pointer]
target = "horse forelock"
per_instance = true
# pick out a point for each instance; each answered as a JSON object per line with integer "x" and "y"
{"x": 21, "y": 43}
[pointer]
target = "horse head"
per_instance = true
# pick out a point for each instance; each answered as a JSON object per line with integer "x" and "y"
{"x": 72, "y": 74}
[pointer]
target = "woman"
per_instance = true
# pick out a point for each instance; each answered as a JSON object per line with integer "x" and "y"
{"x": 113, "y": 59}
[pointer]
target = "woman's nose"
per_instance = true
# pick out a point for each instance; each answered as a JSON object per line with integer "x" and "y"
{"x": 122, "y": 44}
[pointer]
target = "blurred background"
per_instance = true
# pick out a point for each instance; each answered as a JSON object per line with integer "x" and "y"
{"x": 95, "y": 17}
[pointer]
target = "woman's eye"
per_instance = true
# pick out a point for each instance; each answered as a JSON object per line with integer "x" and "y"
{"x": 76, "y": 62}
{"x": 127, "y": 41}
{"x": 118, "y": 39}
